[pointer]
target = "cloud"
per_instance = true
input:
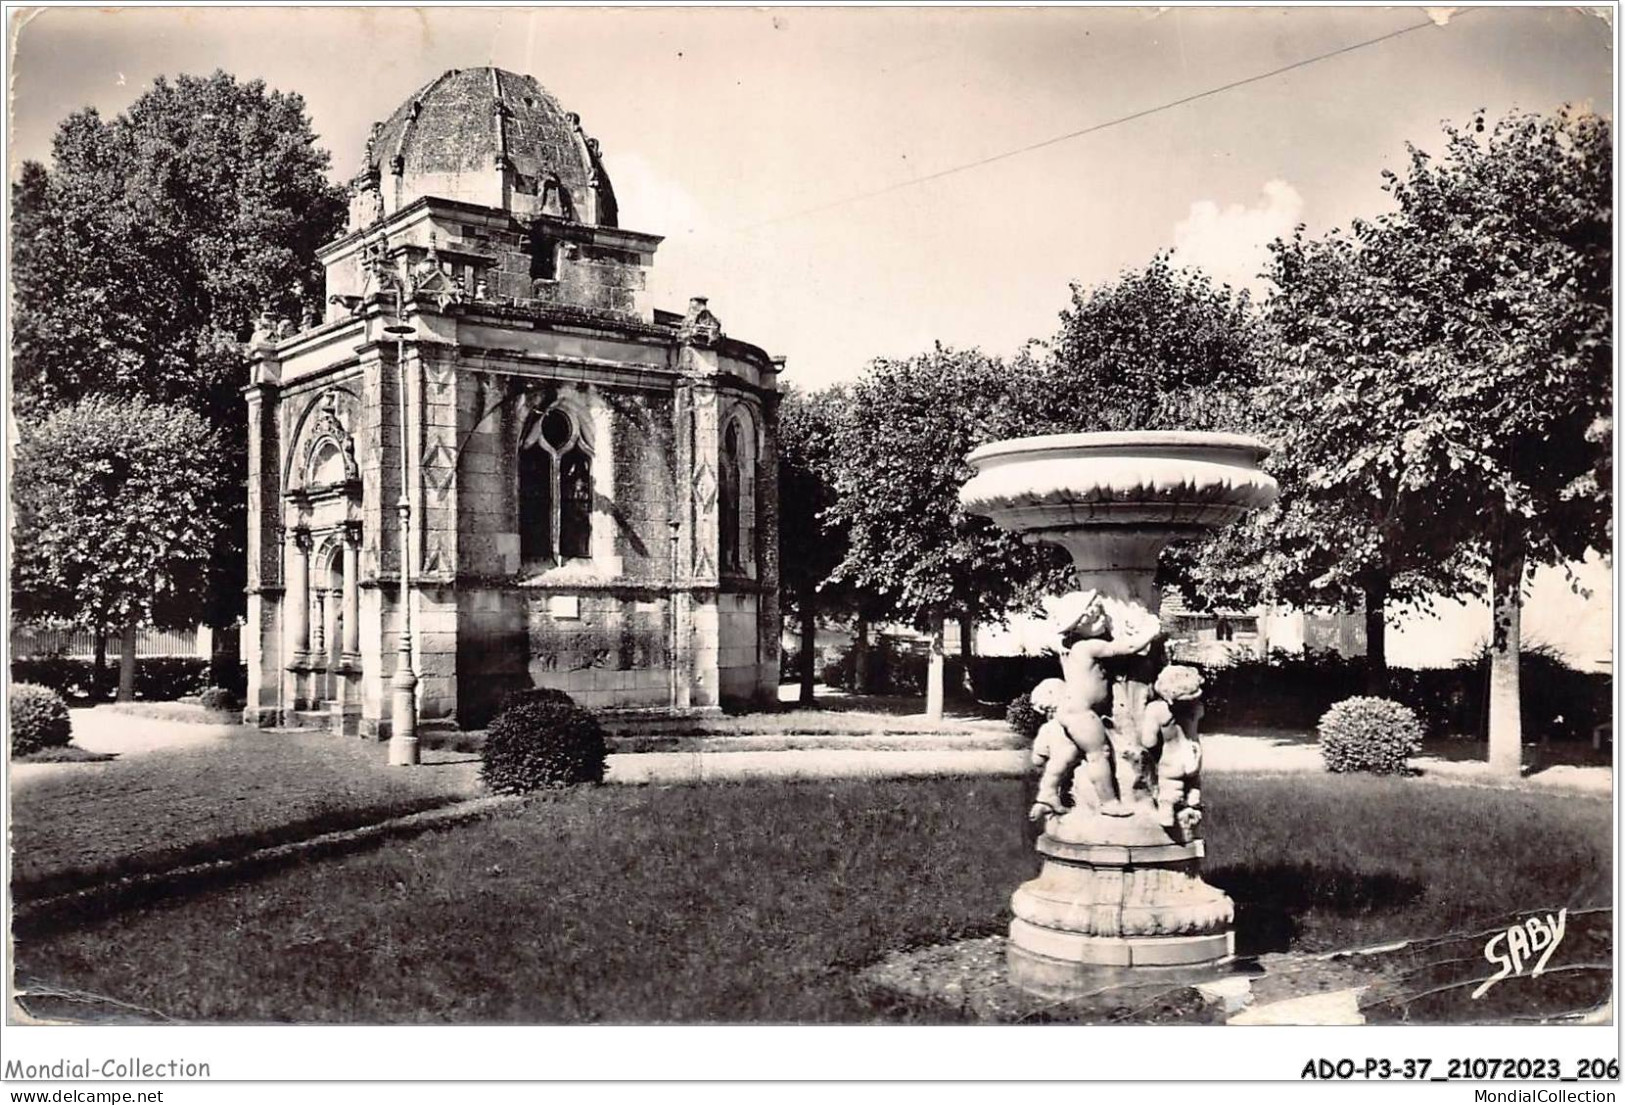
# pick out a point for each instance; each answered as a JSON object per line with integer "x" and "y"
{"x": 1232, "y": 245}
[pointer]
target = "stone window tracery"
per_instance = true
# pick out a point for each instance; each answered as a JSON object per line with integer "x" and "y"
{"x": 729, "y": 513}
{"x": 327, "y": 465}
{"x": 736, "y": 496}
{"x": 326, "y": 457}
{"x": 555, "y": 490}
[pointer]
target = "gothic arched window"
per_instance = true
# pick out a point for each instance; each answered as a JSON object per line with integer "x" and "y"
{"x": 555, "y": 490}
{"x": 729, "y": 514}
{"x": 575, "y": 504}
{"x": 535, "y": 504}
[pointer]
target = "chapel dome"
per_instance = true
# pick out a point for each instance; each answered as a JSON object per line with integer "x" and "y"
{"x": 494, "y": 138}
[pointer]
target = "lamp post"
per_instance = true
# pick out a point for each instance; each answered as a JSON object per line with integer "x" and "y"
{"x": 403, "y": 730}
{"x": 671, "y": 658}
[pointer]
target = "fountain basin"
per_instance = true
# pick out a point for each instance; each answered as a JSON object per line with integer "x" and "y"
{"x": 1114, "y": 501}
{"x": 1184, "y": 481}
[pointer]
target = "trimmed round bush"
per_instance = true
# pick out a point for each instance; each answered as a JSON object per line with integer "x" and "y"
{"x": 217, "y": 698}
{"x": 39, "y": 719}
{"x": 1023, "y": 716}
{"x": 536, "y": 694}
{"x": 536, "y": 742}
{"x": 1376, "y": 735}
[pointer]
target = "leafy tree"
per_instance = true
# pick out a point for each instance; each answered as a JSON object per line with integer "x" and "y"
{"x": 1505, "y": 245}
{"x": 113, "y": 519}
{"x": 1158, "y": 348}
{"x": 811, "y": 546}
{"x": 142, "y": 254}
{"x": 1360, "y": 521}
{"x": 897, "y": 464}
{"x": 1442, "y": 404}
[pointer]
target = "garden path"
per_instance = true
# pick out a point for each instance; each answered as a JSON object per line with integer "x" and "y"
{"x": 105, "y": 730}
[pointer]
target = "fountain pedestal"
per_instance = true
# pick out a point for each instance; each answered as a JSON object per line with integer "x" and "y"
{"x": 1140, "y": 904}
{"x": 1121, "y": 882}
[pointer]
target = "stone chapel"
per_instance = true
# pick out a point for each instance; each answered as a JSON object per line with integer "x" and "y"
{"x": 588, "y": 487}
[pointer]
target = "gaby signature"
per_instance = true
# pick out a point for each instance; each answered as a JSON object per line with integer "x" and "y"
{"x": 1514, "y": 947}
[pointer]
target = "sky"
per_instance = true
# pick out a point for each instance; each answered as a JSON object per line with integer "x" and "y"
{"x": 853, "y": 183}
{"x": 756, "y": 140}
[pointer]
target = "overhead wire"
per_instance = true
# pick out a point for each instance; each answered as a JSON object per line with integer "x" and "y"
{"x": 1098, "y": 127}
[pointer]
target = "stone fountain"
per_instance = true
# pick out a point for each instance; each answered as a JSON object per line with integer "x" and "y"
{"x": 1119, "y": 801}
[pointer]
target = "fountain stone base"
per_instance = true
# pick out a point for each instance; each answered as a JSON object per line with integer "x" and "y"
{"x": 1114, "y": 892}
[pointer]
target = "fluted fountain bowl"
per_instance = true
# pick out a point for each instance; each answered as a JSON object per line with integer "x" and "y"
{"x": 1173, "y": 480}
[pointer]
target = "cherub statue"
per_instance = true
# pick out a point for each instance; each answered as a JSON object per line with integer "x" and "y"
{"x": 264, "y": 327}
{"x": 1087, "y": 635}
{"x": 1053, "y": 750}
{"x": 1171, "y": 719}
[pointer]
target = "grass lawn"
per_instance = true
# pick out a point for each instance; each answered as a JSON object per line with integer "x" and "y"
{"x": 73, "y": 826}
{"x": 65, "y": 754}
{"x": 761, "y": 902}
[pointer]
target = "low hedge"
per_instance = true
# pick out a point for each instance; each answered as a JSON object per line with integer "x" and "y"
{"x": 1293, "y": 692}
{"x": 157, "y": 678}
{"x": 993, "y": 679}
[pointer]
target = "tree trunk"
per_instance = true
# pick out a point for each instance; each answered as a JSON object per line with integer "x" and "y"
{"x": 809, "y": 644}
{"x": 967, "y": 653}
{"x": 933, "y": 675}
{"x": 1376, "y": 637}
{"x": 860, "y": 656}
{"x": 126, "y": 664}
{"x": 98, "y": 664}
{"x": 1505, "y": 701}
